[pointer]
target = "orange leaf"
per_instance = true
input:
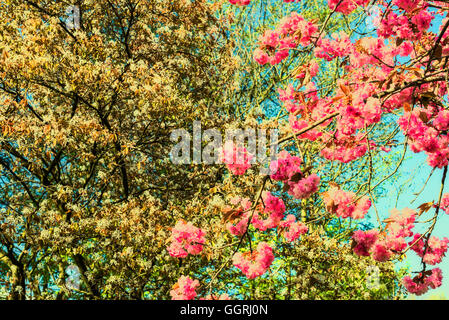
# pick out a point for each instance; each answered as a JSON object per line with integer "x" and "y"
{"x": 407, "y": 107}
{"x": 425, "y": 207}
{"x": 345, "y": 89}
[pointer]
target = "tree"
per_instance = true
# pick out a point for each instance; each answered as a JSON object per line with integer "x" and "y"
{"x": 402, "y": 67}
{"x": 86, "y": 118}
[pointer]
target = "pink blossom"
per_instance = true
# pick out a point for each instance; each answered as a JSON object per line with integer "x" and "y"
{"x": 435, "y": 251}
{"x": 343, "y": 203}
{"x": 346, "y": 6}
{"x": 184, "y": 289}
{"x": 420, "y": 284}
{"x": 298, "y": 125}
{"x": 186, "y": 239}
{"x": 285, "y": 166}
{"x": 364, "y": 241}
{"x": 260, "y": 56}
{"x": 405, "y": 49}
{"x": 382, "y": 246}
{"x": 256, "y": 263}
{"x": 422, "y": 20}
{"x": 401, "y": 222}
{"x": 426, "y": 135}
{"x": 345, "y": 148}
{"x": 274, "y": 45}
{"x": 269, "y": 39}
{"x": 407, "y": 5}
{"x": 304, "y": 187}
{"x": 275, "y": 209}
{"x": 293, "y": 229}
{"x": 313, "y": 68}
{"x": 330, "y": 49}
{"x": 441, "y": 121}
{"x": 435, "y": 279}
{"x": 240, "y": 2}
{"x": 381, "y": 251}
{"x": 287, "y": 94}
{"x": 292, "y": 107}
{"x": 236, "y": 158}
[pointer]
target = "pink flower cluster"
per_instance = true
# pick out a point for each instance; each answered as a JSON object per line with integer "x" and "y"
{"x": 426, "y": 135}
{"x": 186, "y": 239}
{"x": 293, "y": 229}
{"x": 287, "y": 169}
{"x": 256, "y": 263}
{"x": 343, "y": 203}
{"x": 354, "y": 101}
{"x": 421, "y": 283}
{"x": 401, "y": 223}
{"x": 365, "y": 241}
{"x": 275, "y": 209}
{"x": 305, "y": 187}
{"x": 329, "y": 49}
{"x": 361, "y": 111}
{"x": 287, "y": 93}
{"x": 369, "y": 243}
{"x": 383, "y": 245}
{"x": 403, "y": 26}
{"x": 435, "y": 251}
{"x": 275, "y": 44}
{"x": 356, "y": 108}
{"x": 298, "y": 125}
{"x": 408, "y": 5}
{"x": 240, "y": 2}
{"x": 422, "y": 20}
{"x": 345, "y": 148}
{"x": 369, "y": 68}
{"x": 184, "y": 289}
{"x": 236, "y": 158}
{"x": 285, "y": 166}
{"x": 301, "y": 108}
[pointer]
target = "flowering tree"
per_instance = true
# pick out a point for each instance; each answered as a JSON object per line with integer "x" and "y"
{"x": 87, "y": 113}
{"x": 400, "y": 66}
